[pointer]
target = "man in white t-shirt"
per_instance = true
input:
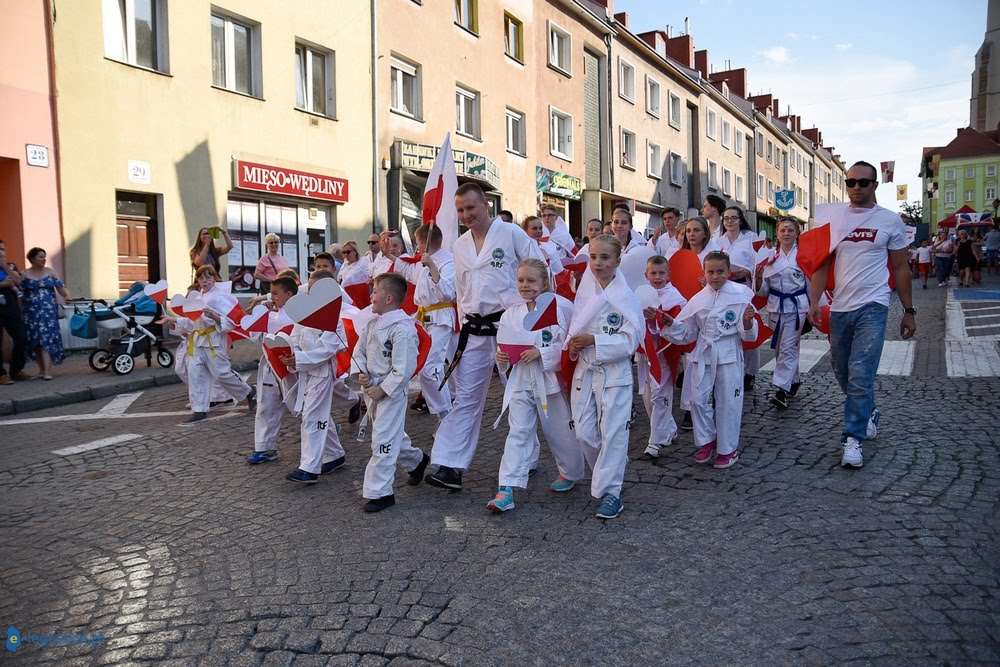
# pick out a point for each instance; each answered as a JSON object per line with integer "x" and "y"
{"x": 860, "y": 303}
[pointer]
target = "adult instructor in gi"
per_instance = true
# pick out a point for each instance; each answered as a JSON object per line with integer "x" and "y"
{"x": 860, "y": 303}
{"x": 486, "y": 261}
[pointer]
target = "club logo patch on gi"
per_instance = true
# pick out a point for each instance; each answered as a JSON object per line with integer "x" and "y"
{"x": 614, "y": 319}
{"x": 546, "y": 337}
{"x": 498, "y": 257}
{"x": 730, "y": 316}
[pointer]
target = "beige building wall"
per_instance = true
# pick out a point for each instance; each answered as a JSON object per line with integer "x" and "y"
{"x": 188, "y": 131}
{"x": 772, "y": 169}
{"x": 799, "y": 158}
{"x": 715, "y": 150}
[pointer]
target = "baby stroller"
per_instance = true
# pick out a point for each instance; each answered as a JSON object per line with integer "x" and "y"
{"x": 134, "y": 312}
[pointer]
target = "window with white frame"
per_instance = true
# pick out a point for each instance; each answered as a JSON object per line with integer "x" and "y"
{"x": 713, "y": 175}
{"x": 560, "y": 48}
{"x": 740, "y": 189}
{"x": 727, "y": 134}
{"x": 991, "y": 170}
{"x": 466, "y": 14}
{"x": 970, "y": 195}
{"x": 949, "y": 174}
{"x": 626, "y": 80}
{"x": 515, "y": 132}
{"x": 970, "y": 172}
{"x": 560, "y": 133}
{"x": 949, "y": 196}
{"x": 770, "y": 191}
{"x": 652, "y": 97}
{"x": 770, "y": 150}
{"x": 676, "y": 169}
{"x": 711, "y": 123}
{"x": 653, "y": 161}
{"x": 727, "y": 182}
{"x": 798, "y": 161}
{"x": 236, "y": 55}
{"x": 628, "y": 148}
{"x": 760, "y": 145}
{"x": 314, "y": 80}
{"x": 135, "y": 32}
{"x": 675, "y": 110}
{"x": 800, "y": 201}
{"x": 405, "y": 95}
{"x": 760, "y": 186}
{"x": 991, "y": 194}
{"x": 740, "y": 141}
{"x": 467, "y": 112}
{"x": 513, "y": 37}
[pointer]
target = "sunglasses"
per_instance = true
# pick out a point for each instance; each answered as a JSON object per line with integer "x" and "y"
{"x": 863, "y": 182}
{"x": 373, "y": 243}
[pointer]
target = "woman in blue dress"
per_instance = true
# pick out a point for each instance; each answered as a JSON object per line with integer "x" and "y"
{"x": 39, "y": 286}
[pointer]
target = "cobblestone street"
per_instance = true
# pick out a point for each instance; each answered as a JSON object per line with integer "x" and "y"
{"x": 180, "y": 553}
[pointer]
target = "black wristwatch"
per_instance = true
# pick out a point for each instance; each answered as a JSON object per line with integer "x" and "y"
{"x": 910, "y": 311}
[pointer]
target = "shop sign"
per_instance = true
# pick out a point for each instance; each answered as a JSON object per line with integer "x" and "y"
{"x": 279, "y": 180}
{"x": 558, "y": 183}
{"x": 421, "y": 157}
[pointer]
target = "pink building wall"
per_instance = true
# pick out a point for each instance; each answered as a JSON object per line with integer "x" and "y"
{"x": 29, "y": 196}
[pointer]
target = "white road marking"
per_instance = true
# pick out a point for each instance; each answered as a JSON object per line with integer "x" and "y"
{"x": 119, "y": 405}
{"x": 972, "y": 358}
{"x": 810, "y": 353}
{"x": 97, "y": 444}
{"x": 897, "y": 357}
{"x": 133, "y": 415}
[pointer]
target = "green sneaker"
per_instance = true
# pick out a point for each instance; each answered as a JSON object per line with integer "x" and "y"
{"x": 503, "y": 501}
{"x": 561, "y": 484}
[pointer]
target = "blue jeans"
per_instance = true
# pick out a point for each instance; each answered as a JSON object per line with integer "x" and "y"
{"x": 943, "y": 265}
{"x": 856, "y": 339}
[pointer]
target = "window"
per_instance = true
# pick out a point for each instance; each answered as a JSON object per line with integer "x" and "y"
{"x": 560, "y": 133}
{"x": 991, "y": 194}
{"x": 740, "y": 140}
{"x": 991, "y": 170}
{"x": 760, "y": 145}
{"x": 676, "y": 169}
{"x": 628, "y": 149}
{"x": 760, "y": 186}
{"x": 770, "y": 191}
{"x": 314, "y": 80}
{"x": 740, "y": 189}
{"x": 713, "y": 175}
{"x": 801, "y": 200}
{"x": 653, "y": 162}
{"x": 560, "y": 44}
{"x": 770, "y": 151}
{"x": 652, "y": 97}
{"x": 404, "y": 96}
{"x": 949, "y": 174}
{"x": 135, "y": 32}
{"x": 513, "y": 38}
{"x": 949, "y": 197}
{"x": 467, "y": 112}
{"x": 675, "y": 111}
{"x": 970, "y": 172}
{"x": 235, "y": 55}
{"x": 727, "y": 182}
{"x": 727, "y": 134}
{"x": 798, "y": 160}
{"x": 515, "y": 132}
{"x": 626, "y": 80}
{"x": 465, "y": 14}
{"x": 711, "y": 123}
{"x": 970, "y": 195}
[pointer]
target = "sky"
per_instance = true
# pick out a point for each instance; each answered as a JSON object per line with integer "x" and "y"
{"x": 881, "y": 80}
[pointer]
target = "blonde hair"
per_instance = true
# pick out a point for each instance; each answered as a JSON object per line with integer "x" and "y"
{"x": 543, "y": 269}
{"x": 271, "y": 236}
{"x": 610, "y": 241}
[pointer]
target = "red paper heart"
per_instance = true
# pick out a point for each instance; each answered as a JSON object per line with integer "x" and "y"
{"x": 319, "y": 308}
{"x": 514, "y": 351}
{"x": 275, "y": 347}
{"x": 685, "y": 271}
{"x": 156, "y": 291}
{"x": 256, "y": 321}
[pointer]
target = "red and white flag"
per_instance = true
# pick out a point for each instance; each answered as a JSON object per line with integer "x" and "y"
{"x": 439, "y": 196}
{"x": 887, "y": 169}
{"x": 835, "y": 222}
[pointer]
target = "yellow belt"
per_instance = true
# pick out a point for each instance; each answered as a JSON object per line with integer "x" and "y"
{"x": 201, "y": 332}
{"x": 423, "y": 310}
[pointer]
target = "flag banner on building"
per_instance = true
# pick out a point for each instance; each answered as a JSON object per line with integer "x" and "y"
{"x": 439, "y": 196}
{"x": 887, "y": 169}
{"x": 972, "y": 218}
{"x": 901, "y": 192}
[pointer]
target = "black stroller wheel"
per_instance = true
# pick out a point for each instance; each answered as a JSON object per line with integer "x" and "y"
{"x": 165, "y": 358}
{"x": 123, "y": 364}
{"x": 100, "y": 360}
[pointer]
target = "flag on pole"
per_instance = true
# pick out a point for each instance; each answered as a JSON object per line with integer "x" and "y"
{"x": 901, "y": 192}
{"x": 439, "y": 196}
{"x": 887, "y": 170}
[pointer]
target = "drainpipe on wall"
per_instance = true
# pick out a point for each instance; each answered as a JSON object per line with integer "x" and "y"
{"x": 376, "y": 164}
{"x": 50, "y": 18}
{"x": 611, "y": 123}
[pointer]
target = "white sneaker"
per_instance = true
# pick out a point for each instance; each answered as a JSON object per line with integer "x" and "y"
{"x": 873, "y": 424}
{"x": 852, "y": 457}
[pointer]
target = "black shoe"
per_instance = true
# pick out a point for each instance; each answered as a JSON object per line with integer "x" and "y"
{"x": 446, "y": 478}
{"x": 302, "y": 477}
{"x": 195, "y": 418}
{"x": 679, "y": 382}
{"x": 420, "y": 405}
{"x": 252, "y": 399}
{"x": 355, "y": 414}
{"x": 686, "y": 423}
{"x": 793, "y": 391}
{"x": 417, "y": 474}
{"x": 330, "y": 466}
{"x": 379, "y": 504}
{"x": 531, "y": 473}
{"x": 215, "y": 404}
{"x": 749, "y": 382}
{"x": 780, "y": 399}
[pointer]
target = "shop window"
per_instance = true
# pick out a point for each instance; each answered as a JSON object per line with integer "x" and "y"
{"x": 243, "y": 224}
{"x": 314, "y": 80}
{"x": 236, "y": 55}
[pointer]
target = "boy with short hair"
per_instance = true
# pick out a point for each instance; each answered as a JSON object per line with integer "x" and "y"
{"x": 384, "y": 361}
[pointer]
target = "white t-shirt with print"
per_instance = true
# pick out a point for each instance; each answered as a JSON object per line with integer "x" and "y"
{"x": 861, "y": 272}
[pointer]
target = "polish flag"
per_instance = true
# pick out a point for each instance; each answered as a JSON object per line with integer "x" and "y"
{"x": 439, "y": 196}
{"x": 545, "y": 314}
{"x": 835, "y": 223}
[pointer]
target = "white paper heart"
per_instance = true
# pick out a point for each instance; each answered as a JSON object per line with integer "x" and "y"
{"x": 194, "y": 305}
{"x": 156, "y": 291}
{"x": 647, "y": 296}
{"x": 634, "y": 265}
{"x": 318, "y": 308}
{"x": 224, "y": 287}
{"x": 278, "y": 340}
{"x": 545, "y": 313}
{"x": 256, "y": 320}
{"x": 279, "y": 322}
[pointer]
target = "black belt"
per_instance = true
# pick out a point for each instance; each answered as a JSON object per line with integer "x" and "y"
{"x": 475, "y": 325}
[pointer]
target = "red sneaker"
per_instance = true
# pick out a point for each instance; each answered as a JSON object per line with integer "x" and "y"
{"x": 705, "y": 453}
{"x": 726, "y": 460}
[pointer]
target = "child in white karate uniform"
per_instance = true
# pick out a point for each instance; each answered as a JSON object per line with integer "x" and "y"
{"x": 719, "y": 317}
{"x": 313, "y": 356}
{"x": 385, "y": 360}
{"x": 658, "y": 397}
{"x": 208, "y": 354}
{"x": 787, "y": 291}
{"x": 604, "y": 334}
{"x": 533, "y": 394}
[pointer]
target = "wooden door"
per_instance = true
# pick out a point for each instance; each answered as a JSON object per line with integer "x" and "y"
{"x": 133, "y": 251}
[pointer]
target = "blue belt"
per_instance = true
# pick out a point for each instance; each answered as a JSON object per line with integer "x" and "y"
{"x": 781, "y": 311}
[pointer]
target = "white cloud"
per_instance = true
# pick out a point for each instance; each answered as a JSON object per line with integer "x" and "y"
{"x": 843, "y": 46}
{"x": 777, "y": 55}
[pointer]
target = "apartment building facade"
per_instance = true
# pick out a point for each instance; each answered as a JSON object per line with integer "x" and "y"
{"x": 961, "y": 173}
